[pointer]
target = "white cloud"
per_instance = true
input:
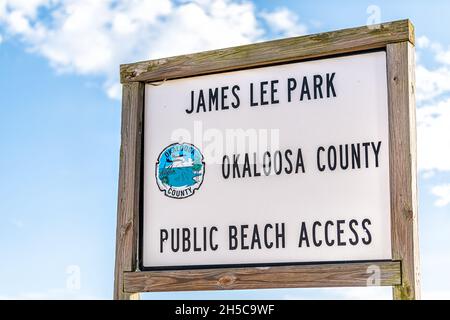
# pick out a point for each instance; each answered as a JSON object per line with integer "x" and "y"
{"x": 94, "y": 37}
{"x": 423, "y": 42}
{"x": 442, "y": 192}
{"x": 433, "y": 136}
{"x": 431, "y": 84}
{"x": 284, "y": 22}
{"x": 205, "y": 25}
{"x": 433, "y": 114}
{"x": 87, "y": 37}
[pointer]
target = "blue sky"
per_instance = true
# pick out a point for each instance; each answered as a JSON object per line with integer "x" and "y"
{"x": 60, "y": 126}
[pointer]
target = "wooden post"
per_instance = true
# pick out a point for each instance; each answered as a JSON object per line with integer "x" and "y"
{"x": 403, "y": 169}
{"x": 129, "y": 187}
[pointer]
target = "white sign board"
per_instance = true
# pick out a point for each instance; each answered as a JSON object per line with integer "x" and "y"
{"x": 281, "y": 164}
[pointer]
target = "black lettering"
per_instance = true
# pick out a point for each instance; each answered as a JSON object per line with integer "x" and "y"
{"x": 246, "y": 167}
{"x": 366, "y": 152}
{"x": 177, "y": 241}
{"x": 287, "y": 155}
{"x": 256, "y": 173}
{"x": 332, "y": 162}
{"x": 234, "y": 91}
{"x": 163, "y": 236}
{"x": 273, "y": 91}
{"x": 299, "y": 161}
{"x": 265, "y": 164}
{"x": 320, "y": 166}
{"x": 305, "y": 89}
{"x": 255, "y": 238}
{"x": 314, "y": 227}
{"x": 376, "y": 151}
{"x": 224, "y": 97}
{"x": 342, "y": 156}
{"x": 318, "y": 81}
{"x": 195, "y": 241}
{"x": 189, "y": 111}
{"x": 204, "y": 239}
{"x": 263, "y": 93}
{"x": 327, "y": 239}
{"x": 244, "y": 227}
{"x": 330, "y": 85}
{"x": 213, "y": 246}
{"x": 340, "y": 231}
{"x": 356, "y": 156}
{"x": 186, "y": 239}
{"x": 277, "y": 162}
{"x": 213, "y": 99}
{"x": 225, "y": 167}
{"x": 279, "y": 235}
{"x": 232, "y": 237}
{"x": 367, "y": 240}
{"x": 252, "y": 103}
{"x": 267, "y": 244}
{"x": 352, "y": 225}
{"x": 292, "y": 84}
{"x": 303, "y": 236}
{"x": 236, "y": 172}
{"x": 201, "y": 102}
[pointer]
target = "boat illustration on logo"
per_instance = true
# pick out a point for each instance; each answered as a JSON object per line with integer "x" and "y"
{"x": 180, "y": 170}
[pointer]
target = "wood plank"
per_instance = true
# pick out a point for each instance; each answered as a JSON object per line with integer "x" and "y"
{"x": 297, "y": 276}
{"x": 268, "y": 53}
{"x": 403, "y": 167}
{"x": 129, "y": 184}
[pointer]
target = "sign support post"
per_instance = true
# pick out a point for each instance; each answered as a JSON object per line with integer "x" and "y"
{"x": 129, "y": 187}
{"x": 403, "y": 168}
{"x": 402, "y": 272}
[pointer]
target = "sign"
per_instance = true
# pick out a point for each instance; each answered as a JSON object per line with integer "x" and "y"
{"x": 280, "y": 164}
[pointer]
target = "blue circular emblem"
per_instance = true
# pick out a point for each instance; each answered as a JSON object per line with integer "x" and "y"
{"x": 179, "y": 170}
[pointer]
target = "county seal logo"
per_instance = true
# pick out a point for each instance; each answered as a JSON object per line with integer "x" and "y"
{"x": 179, "y": 170}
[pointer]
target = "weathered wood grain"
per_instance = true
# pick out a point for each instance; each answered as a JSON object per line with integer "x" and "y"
{"x": 271, "y": 52}
{"x": 297, "y": 276}
{"x": 129, "y": 184}
{"x": 403, "y": 168}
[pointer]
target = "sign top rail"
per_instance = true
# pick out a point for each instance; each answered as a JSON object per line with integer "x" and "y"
{"x": 270, "y": 52}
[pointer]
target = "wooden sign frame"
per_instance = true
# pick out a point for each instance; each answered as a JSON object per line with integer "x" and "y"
{"x": 402, "y": 272}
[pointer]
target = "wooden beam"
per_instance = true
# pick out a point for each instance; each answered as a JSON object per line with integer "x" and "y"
{"x": 129, "y": 186}
{"x": 403, "y": 168}
{"x": 296, "y": 276}
{"x": 269, "y": 53}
